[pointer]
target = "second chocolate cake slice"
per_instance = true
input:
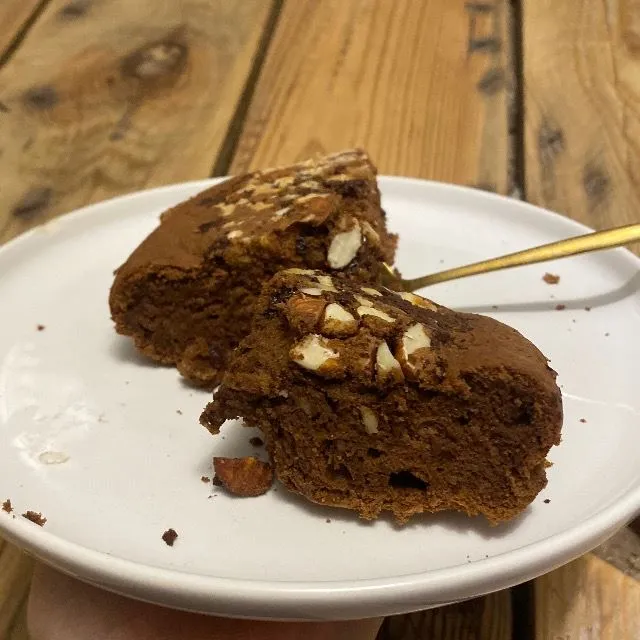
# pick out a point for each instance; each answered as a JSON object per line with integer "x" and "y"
{"x": 187, "y": 294}
{"x": 381, "y": 401}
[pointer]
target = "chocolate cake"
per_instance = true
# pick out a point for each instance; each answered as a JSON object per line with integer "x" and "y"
{"x": 380, "y": 401}
{"x": 187, "y": 294}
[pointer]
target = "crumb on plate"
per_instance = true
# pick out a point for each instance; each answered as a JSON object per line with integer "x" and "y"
{"x": 551, "y": 278}
{"x": 6, "y": 506}
{"x": 170, "y": 536}
{"x": 35, "y": 517}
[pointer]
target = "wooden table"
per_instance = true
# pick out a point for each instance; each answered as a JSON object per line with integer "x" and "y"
{"x": 536, "y": 99}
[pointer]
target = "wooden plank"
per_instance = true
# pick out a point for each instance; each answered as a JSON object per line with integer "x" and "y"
{"x": 421, "y": 84}
{"x": 486, "y": 618}
{"x": 582, "y": 106}
{"x": 116, "y": 95}
{"x": 14, "y": 15}
{"x": 18, "y": 629}
{"x": 582, "y": 120}
{"x": 15, "y": 576}
{"x": 623, "y": 551}
{"x": 587, "y": 600}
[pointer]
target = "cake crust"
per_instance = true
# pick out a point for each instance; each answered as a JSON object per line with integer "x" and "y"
{"x": 380, "y": 401}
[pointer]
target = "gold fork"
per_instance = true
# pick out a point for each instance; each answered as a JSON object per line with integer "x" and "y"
{"x": 595, "y": 241}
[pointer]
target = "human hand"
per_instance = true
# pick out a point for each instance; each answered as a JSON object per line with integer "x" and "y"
{"x": 61, "y": 608}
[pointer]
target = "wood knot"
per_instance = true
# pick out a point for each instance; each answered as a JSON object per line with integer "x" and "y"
{"x": 32, "y": 202}
{"x": 74, "y": 9}
{"x": 492, "y": 81}
{"x": 42, "y": 97}
{"x": 597, "y": 185}
{"x": 158, "y": 60}
{"x": 550, "y": 139}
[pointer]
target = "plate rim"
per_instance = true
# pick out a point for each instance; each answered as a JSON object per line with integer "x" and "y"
{"x": 379, "y": 596}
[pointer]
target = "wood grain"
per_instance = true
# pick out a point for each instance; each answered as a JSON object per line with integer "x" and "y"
{"x": 15, "y": 575}
{"x": 582, "y": 126}
{"x": 106, "y": 97}
{"x": 421, "y": 84}
{"x": 582, "y": 106}
{"x": 487, "y": 618}
{"x": 14, "y": 14}
{"x": 587, "y": 600}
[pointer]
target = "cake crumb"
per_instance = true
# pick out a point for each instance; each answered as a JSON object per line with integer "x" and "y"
{"x": 35, "y": 517}
{"x": 40, "y": 327}
{"x": 256, "y": 442}
{"x": 606, "y": 335}
{"x": 216, "y": 482}
{"x": 328, "y": 520}
{"x": 179, "y": 412}
{"x": 494, "y": 307}
{"x": 205, "y": 479}
{"x": 547, "y": 501}
{"x": 6, "y": 506}
{"x": 170, "y": 536}
{"x": 561, "y": 307}
{"x": 551, "y": 278}
{"x": 587, "y": 308}
{"x": 583, "y": 420}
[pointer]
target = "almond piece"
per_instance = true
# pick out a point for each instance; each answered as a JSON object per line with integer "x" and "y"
{"x": 245, "y": 477}
{"x": 370, "y": 233}
{"x": 338, "y": 321}
{"x": 371, "y": 292}
{"x": 413, "y": 339}
{"x": 304, "y": 312}
{"x": 365, "y": 302}
{"x": 417, "y": 301}
{"x": 372, "y": 311}
{"x": 369, "y": 419}
{"x": 344, "y": 247}
{"x": 311, "y": 291}
{"x": 326, "y": 283}
{"x": 300, "y": 272}
{"x": 387, "y": 367}
{"x": 313, "y": 353}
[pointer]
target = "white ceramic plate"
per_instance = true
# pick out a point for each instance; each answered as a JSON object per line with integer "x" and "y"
{"x": 136, "y": 452}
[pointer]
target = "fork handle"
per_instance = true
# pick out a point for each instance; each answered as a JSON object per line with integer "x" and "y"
{"x": 596, "y": 241}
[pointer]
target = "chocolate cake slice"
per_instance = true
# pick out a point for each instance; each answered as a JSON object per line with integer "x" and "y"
{"x": 187, "y": 294}
{"x": 381, "y": 401}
